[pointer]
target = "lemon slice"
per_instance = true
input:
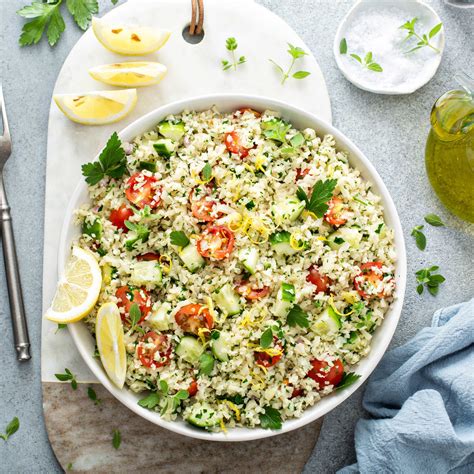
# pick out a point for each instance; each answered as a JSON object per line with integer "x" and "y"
{"x": 130, "y": 74}
{"x": 128, "y": 40}
{"x": 109, "y": 335}
{"x": 97, "y": 108}
{"x": 78, "y": 289}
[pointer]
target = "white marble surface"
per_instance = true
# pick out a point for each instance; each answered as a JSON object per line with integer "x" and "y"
{"x": 192, "y": 70}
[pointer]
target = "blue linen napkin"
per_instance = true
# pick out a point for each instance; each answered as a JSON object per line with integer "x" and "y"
{"x": 422, "y": 399}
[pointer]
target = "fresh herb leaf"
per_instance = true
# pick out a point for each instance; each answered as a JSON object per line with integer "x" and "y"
{"x": 348, "y": 379}
{"x": 266, "y": 338}
{"x": 427, "y": 278}
{"x": 82, "y": 11}
{"x": 321, "y": 194}
{"x": 250, "y": 205}
{"x": 182, "y": 395}
{"x": 206, "y": 172}
{"x": 60, "y": 326}
{"x": 231, "y": 46}
{"x": 379, "y": 228}
{"x": 44, "y": 16}
{"x": 296, "y": 53}
{"x": 206, "y": 364}
{"x": 116, "y": 439}
{"x": 164, "y": 387}
{"x": 135, "y": 315}
{"x": 179, "y": 238}
{"x": 67, "y": 376}
{"x": 297, "y": 316}
{"x": 423, "y": 39}
{"x": 93, "y": 396}
{"x": 343, "y": 46}
{"x": 356, "y": 57}
{"x": 112, "y": 162}
{"x": 434, "y": 220}
{"x": 11, "y": 429}
{"x": 271, "y": 419}
{"x": 420, "y": 238}
{"x": 69, "y": 467}
{"x": 150, "y": 401}
{"x": 368, "y": 62}
{"x": 275, "y": 129}
{"x": 140, "y": 232}
{"x": 375, "y": 67}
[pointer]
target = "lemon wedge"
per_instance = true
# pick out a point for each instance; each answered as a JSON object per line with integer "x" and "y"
{"x": 78, "y": 289}
{"x": 127, "y": 40}
{"x": 109, "y": 335}
{"x": 97, "y": 108}
{"x": 129, "y": 74}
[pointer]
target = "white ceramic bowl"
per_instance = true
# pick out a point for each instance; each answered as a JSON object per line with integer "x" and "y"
{"x": 300, "y": 119}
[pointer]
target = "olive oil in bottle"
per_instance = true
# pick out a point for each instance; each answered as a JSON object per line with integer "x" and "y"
{"x": 449, "y": 155}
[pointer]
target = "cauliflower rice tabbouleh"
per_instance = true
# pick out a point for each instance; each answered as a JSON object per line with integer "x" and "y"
{"x": 250, "y": 262}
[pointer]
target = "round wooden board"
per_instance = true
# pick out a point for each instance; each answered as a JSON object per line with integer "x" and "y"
{"x": 81, "y": 434}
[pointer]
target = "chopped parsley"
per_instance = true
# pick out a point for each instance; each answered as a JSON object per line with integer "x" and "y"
{"x": 297, "y": 316}
{"x": 321, "y": 194}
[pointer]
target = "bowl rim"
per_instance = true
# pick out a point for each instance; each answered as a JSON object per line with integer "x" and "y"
{"x": 389, "y": 325}
{"x": 378, "y": 90}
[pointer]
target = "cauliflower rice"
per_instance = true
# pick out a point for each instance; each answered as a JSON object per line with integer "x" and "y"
{"x": 249, "y": 186}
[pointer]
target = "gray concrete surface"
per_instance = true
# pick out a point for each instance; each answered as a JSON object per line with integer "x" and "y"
{"x": 390, "y": 130}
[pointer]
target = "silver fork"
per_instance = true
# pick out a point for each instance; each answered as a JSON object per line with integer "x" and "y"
{"x": 17, "y": 309}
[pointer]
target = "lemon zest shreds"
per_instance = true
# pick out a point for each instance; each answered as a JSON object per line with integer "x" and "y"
{"x": 201, "y": 334}
{"x": 259, "y": 377}
{"x": 245, "y": 321}
{"x": 198, "y": 180}
{"x": 264, "y": 369}
{"x": 331, "y": 303}
{"x": 166, "y": 263}
{"x": 271, "y": 352}
{"x": 249, "y": 168}
{"x": 295, "y": 243}
{"x": 234, "y": 408}
{"x": 222, "y": 424}
{"x": 350, "y": 297}
{"x": 322, "y": 238}
{"x": 259, "y": 162}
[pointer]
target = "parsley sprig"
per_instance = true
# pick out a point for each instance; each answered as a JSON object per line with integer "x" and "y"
{"x": 424, "y": 39}
{"x": 11, "y": 429}
{"x": 231, "y": 45}
{"x": 297, "y": 317}
{"x": 46, "y": 15}
{"x": 67, "y": 376}
{"x": 296, "y": 53}
{"x": 348, "y": 379}
{"x": 112, "y": 162}
{"x": 321, "y": 194}
{"x": 169, "y": 403}
{"x": 270, "y": 419}
{"x": 428, "y": 278}
{"x": 368, "y": 61}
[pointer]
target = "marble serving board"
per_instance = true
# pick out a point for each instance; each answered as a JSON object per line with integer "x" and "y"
{"x": 192, "y": 70}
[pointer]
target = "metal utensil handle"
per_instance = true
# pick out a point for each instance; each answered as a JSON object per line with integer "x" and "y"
{"x": 17, "y": 309}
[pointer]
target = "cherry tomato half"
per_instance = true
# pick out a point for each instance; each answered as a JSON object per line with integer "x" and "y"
{"x": 370, "y": 277}
{"x": 216, "y": 242}
{"x": 232, "y": 143}
{"x": 119, "y": 216}
{"x": 193, "y": 388}
{"x": 143, "y": 190}
{"x": 202, "y": 210}
{"x": 266, "y": 360}
{"x": 162, "y": 347}
{"x": 246, "y": 290}
{"x": 325, "y": 375}
{"x": 148, "y": 257}
{"x": 321, "y": 282}
{"x": 242, "y": 111}
{"x": 193, "y": 317}
{"x": 333, "y": 215}
{"x": 127, "y": 296}
{"x": 297, "y": 392}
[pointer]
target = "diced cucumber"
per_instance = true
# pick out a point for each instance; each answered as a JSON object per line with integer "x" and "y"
{"x": 203, "y": 416}
{"x": 345, "y": 234}
{"x": 146, "y": 273}
{"x": 164, "y": 147}
{"x": 107, "y": 272}
{"x": 171, "y": 130}
{"x": 227, "y": 300}
{"x": 147, "y": 165}
{"x": 191, "y": 258}
{"x": 160, "y": 318}
{"x": 94, "y": 230}
{"x": 189, "y": 349}
{"x": 249, "y": 258}
{"x": 287, "y": 210}
{"x": 280, "y": 242}
{"x": 297, "y": 140}
{"x": 221, "y": 346}
{"x": 284, "y": 301}
{"x": 328, "y": 323}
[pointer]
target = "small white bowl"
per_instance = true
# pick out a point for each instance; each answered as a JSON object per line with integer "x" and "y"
{"x": 413, "y": 8}
{"x": 300, "y": 119}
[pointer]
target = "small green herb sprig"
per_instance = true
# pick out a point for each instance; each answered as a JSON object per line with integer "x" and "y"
{"x": 46, "y": 15}
{"x": 11, "y": 429}
{"x": 168, "y": 403}
{"x": 420, "y": 238}
{"x": 68, "y": 376}
{"x": 428, "y": 278}
{"x": 368, "y": 61}
{"x": 321, "y": 194}
{"x": 434, "y": 220}
{"x": 116, "y": 439}
{"x": 231, "y": 45}
{"x": 270, "y": 419}
{"x": 348, "y": 379}
{"x": 424, "y": 39}
{"x": 296, "y": 53}
{"x": 93, "y": 396}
